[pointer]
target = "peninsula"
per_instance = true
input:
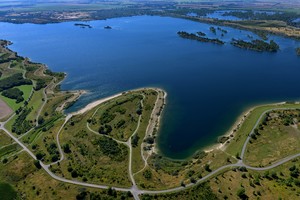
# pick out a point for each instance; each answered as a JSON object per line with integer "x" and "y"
{"x": 116, "y": 139}
{"x": 108, "y": 149}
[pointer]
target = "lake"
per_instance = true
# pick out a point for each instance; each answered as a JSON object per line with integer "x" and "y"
{"x": 208, "y": 85}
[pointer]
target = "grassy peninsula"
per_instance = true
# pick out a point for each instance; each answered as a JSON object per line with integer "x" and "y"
{"x": 108, "y": 149}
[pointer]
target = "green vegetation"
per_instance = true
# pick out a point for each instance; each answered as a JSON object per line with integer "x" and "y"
{"x": 14, "y": 93}
{"x": 201, "y": 34}
{"x": 7, "y": 192}
{"x": 200, "y": 191}
{"x": 279, "y": 183}
{"x": 100, "y": 139}
{"x": 21, "y": 125}
{"x": 111, "y": 148}
{"x": 241, "y": 131}
{"x": 287, "y": 17}
{"x": 26, "y": 89}
{"x": 193, "y": 36}
{"x": 81, "y": 25}
{"x": 222, "y": 30}
{"x": 28, "y": 180}
{"x": 40, "y": 83}
{"x": 34, "y": 104}
{"x": 119, "y": 119}
{"x": 276, "y": 137}
{"x": 14, "y": 80}
{"x": 256, "y": 45}
{"x": 213, "y": 30}
{"x": 4, "y": 139}
{"x": 9, "y": 149}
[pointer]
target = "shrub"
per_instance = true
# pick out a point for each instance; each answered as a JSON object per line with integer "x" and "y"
{"x": 37, "y": 164}
{"x": 14, "y": 93}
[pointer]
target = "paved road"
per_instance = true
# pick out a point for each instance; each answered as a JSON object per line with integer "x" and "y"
{"x": 134, "y": 190}
{"x": 255, "y": 126}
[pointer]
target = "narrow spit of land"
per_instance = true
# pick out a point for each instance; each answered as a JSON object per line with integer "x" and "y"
{"x": 122, "y": 128}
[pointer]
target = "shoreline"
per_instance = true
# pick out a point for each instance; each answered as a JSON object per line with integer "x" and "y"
{"x": 95, "y": 103}
{"x": 152, "y": 125}
{"x": 157, "y": 123}
{"x": 231, "y": 133}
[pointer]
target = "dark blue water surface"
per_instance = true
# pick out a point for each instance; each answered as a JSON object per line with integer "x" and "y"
{"x": 208, "y": 85}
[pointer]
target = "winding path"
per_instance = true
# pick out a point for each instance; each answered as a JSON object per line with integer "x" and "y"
{"x": 134, "y": 189}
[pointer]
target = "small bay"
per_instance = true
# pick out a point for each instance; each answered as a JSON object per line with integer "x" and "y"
{"x": 208, "y": 85}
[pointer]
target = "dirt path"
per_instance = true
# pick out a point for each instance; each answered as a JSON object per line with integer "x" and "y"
{"x": 134, "y": 189}
{"x": 5, "y": 110}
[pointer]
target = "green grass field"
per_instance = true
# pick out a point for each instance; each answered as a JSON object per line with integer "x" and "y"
{"x": 278, "y": 138}
{"x": 13, "y": 148}
{"x": 4, "y": 139}
{"x": 36, "y": 103}
{"x": 122, "y": 117}
{"x": 241, "y": 134}
{"x": 26, "y": 89}
{"x": 7, "y": 192}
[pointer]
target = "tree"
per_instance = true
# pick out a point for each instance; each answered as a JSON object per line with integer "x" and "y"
{"x": 206, "y": 167}
{"x": 193, "y": 180}
{"x": 149, "y": 140}
{"x": 37, "y": 164}
{"x": 237, "y": 155}
{"x": 147, "y": 174}
{"x": 81, "y": 195}
{"x": 74, "y": 174}
{"x": 241, "y": 193}
{"x": 66, "y": 148}
{"x": 182, "y": 184}
{"x": 39, "y": 155}
{"x": 41, "y": 120}
{"x": 5, "y": 160}
{"x": 54, "y": 158}
{"x": 111, "y": 192}
{"x": 135, "y": 140}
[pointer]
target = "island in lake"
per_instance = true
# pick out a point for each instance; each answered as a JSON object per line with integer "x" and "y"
{"x": 193, "y": 36}
{"x": 83, "y": 25}
{"x": 109, "y": 147}
{"x": 256, "y": 45}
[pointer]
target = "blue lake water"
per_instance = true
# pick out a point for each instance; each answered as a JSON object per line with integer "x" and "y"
{"x": 219, "y": 14}
{"x": 208, "y": 85}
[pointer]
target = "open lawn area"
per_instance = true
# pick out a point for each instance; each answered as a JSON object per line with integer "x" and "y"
{"x": 243, "y": 130}
{"x": 26, "y": 89}
{"x": 277, "y": 136}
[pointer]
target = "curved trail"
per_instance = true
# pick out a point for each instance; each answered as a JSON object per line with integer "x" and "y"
{"x": 134, "y": 190}
{"x": 254, "y": 127}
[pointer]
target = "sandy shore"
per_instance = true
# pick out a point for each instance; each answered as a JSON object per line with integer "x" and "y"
{"x": 232, "y": 131}
{"x": 95, "y": 103}
{"x": 100, "y": 101}
{"x": 158, "y": 122}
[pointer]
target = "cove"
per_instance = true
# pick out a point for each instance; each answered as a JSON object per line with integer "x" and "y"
{"x": 208, "y": 85}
